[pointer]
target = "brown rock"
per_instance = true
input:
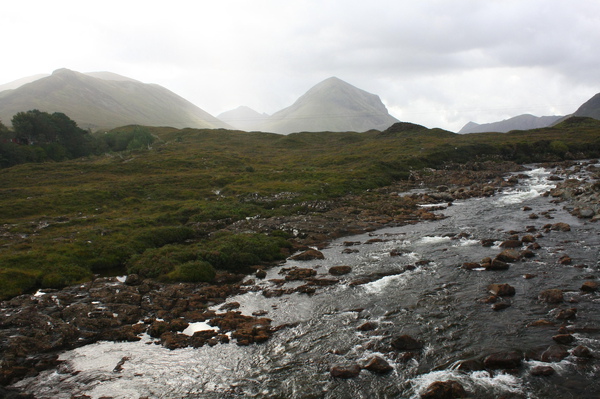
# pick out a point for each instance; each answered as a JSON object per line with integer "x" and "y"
{"x": 368, "y": 326}
{"x": 552, "y": 295}
{"x": 497, "y": 264}
{"x": 310, "y": 254}
{"x": 340, "y": 270}
{"x": 406, "y": 343}
{"x": 378, "y": 365}
{"x": 511, "y": 244}
{"x": 542, "y": 371}
{"x": 533, "y": 216}
{"x": 345, "y": 372}
{"x": 554, "y": 353}
{"x": 590, "y": 286}
{"x": 501, "y": 306}
{"x": 561, "y": 227}
{"x": 582, "y": 351}
{"x": 508, "y": 255}
{"x": 501, "y": 289}
{"x": 488, "y": 242}
{"x": 566, "y": 314}
{"x": 444, "y": 390}
{"x": 563, "y": 339}
{"x": 527, "y": 238}
{"x": 470, "y": 265}
{"x": 565, "y": 260}
{"x": 503, "y": 360}
{"x": 300, "y": 274}
{"x": 541, "y": 323}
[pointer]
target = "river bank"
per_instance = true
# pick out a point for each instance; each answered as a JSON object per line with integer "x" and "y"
{"x": 36, "y": 328}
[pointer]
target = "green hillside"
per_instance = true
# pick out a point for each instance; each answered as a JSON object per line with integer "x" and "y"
{"x": 152, "y": 211}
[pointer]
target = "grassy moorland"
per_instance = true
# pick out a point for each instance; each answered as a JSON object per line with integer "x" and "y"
{"x": 151, "y": 211}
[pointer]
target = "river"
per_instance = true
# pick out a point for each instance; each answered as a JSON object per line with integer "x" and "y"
{"x": 437, "y": 302}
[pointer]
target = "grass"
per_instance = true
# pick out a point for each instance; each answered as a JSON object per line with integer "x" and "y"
{"x": 152, "y": 211}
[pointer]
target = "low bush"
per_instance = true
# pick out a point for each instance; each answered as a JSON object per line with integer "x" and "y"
{"x": 192, "y": 272}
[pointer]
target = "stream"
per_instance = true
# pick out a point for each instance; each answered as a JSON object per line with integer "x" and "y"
{"x": 431, "y": 298}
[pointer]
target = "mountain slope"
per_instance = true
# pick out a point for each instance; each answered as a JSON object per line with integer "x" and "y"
{"x": 520, "y": 122}
{"x": 106, "y": 102}
{"x": 243, "y": 118}
{"x": 332, "y": 105}
{"x": 590, "y": 108}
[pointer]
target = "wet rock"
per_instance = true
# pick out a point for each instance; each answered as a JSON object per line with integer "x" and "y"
{"x": 582, "y": 351}
{"x": 526, "y": 253}
{"x": 561, "y": 227}
{"x": 322, "y": 282}
{"x": 508, "y": 255}
{"x": 367, "y": 326}
{"x": 563, "y": 339}
{"x": 488, "y": 242}
{"x": 378, "y": 365}
{"x": 511, "y": 244}
{"x": 230, "y": 306}
{"x": 551, "y": 296}
{"x": 527, "y": 239}
{"x": 565, "y": 260}
{"x": 590, "y": 286}
{"x": 133, "y": 279}
{"x": 158, "y": 328}
{"x": 586, "y": 213}
{"x": 501, "y": 306}
{"x": 310, "y": 254}
{"x": 351, "y": 243}
{"x": 503, "y": 360}
{"x": 554, "y": 353}
{"x": 345, "y": 371}
{"x": 300, "y": 274}
{"x": 470, "y": 265}
{"x": 501, "y": 289}
{"x": 497, "y": 264}
{"x": 445, "y": 390}
{"x": 542, "y": 371}
{"x": 260, "y": 273}
{"x": 350, "y": 251}
{"x": 541, "y": 323}
{"x": 340, "y": 270}
{"x": 533, "y": 247}
{"x": 406, "y": 343}
{"x": 566, "y": 314}
{"x": 534, "y": 216}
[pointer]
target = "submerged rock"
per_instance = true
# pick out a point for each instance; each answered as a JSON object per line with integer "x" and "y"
{"x": 406, "y": 343}
{"x": 445, "y": 390}
{"x": 553, "y": 295}
{"x": 345, "y": 371}
{"x": 310, "y": 254}
{"x": 503, "y": 360}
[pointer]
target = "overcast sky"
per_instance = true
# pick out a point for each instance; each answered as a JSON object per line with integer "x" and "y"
{"x": 436, "y": 63}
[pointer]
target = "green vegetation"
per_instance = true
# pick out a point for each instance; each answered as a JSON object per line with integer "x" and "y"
{"x": 154, "y": 201}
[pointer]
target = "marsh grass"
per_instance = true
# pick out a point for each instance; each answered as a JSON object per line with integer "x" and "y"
{"x": 152, "y": 211}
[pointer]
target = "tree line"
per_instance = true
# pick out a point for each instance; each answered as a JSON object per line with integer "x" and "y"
{"x": 38, "y": 136}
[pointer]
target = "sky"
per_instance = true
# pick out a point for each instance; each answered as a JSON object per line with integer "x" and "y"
{"x": 438, "y": 63}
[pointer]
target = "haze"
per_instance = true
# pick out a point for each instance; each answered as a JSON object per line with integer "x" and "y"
{"x": 435, "y": 63}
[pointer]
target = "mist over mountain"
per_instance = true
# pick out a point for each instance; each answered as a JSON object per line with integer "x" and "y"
{"x": 20, "y": 82}
{"x": 243, "y": 118}
{"x": 104, "y": 100}
{"x": 332, "y": 105}
{"x": 520, "y": 122}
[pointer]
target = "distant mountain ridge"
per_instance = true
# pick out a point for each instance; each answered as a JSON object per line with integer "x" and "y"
{"x": 243, "y": 118}
{"x": 520, "y": 122}
{"x": 331, "y": 105}
{"x": 105, "y": 100}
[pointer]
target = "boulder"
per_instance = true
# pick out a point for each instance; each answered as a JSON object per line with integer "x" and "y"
{"x": 503, "y": 360}
{"x": 561, "y": 227}
{"x": 497, "y": 264}
{"x": 445, "y": 390}
{"x": 406, "y": 343}
{"x": 554, "y": 353}
{"x": 563, "y": 339}
{"x": 378, "y": 365}
{"x": 527, "y": 239}
{"x": 566, "y": 314}
{"x": 582, "y": 351}
{"x": 590, "y": 286}
{"x": 542, "y": 371}
{"x": 339, "y": 270}
{"x": 565, "y": 260}
{"x": 511, "y": 244}
{"x": 310, "y": 254}
{"x": 508, "y": 255}
{"x": 553, "y": 295}
{"x": 300, "y": 274}
{"x": 501, "y": 289}
{"x": 367, "y": 326}
{"x": 345, "y": 371}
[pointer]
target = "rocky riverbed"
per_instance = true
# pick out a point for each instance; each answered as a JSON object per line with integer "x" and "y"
{"x": 35, "y": 329}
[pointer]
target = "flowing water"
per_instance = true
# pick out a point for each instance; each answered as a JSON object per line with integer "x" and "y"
{"x": 438, "y": 302}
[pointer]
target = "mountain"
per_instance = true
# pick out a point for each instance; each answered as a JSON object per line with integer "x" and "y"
{"x": 104, "y": 100}
{"x": 332, "y": 105}
{"x": 243, "y": 118}
{"x": 590, "y": 108}
{"x": 20, "y": 82}
{"x": 521, "y": 122}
